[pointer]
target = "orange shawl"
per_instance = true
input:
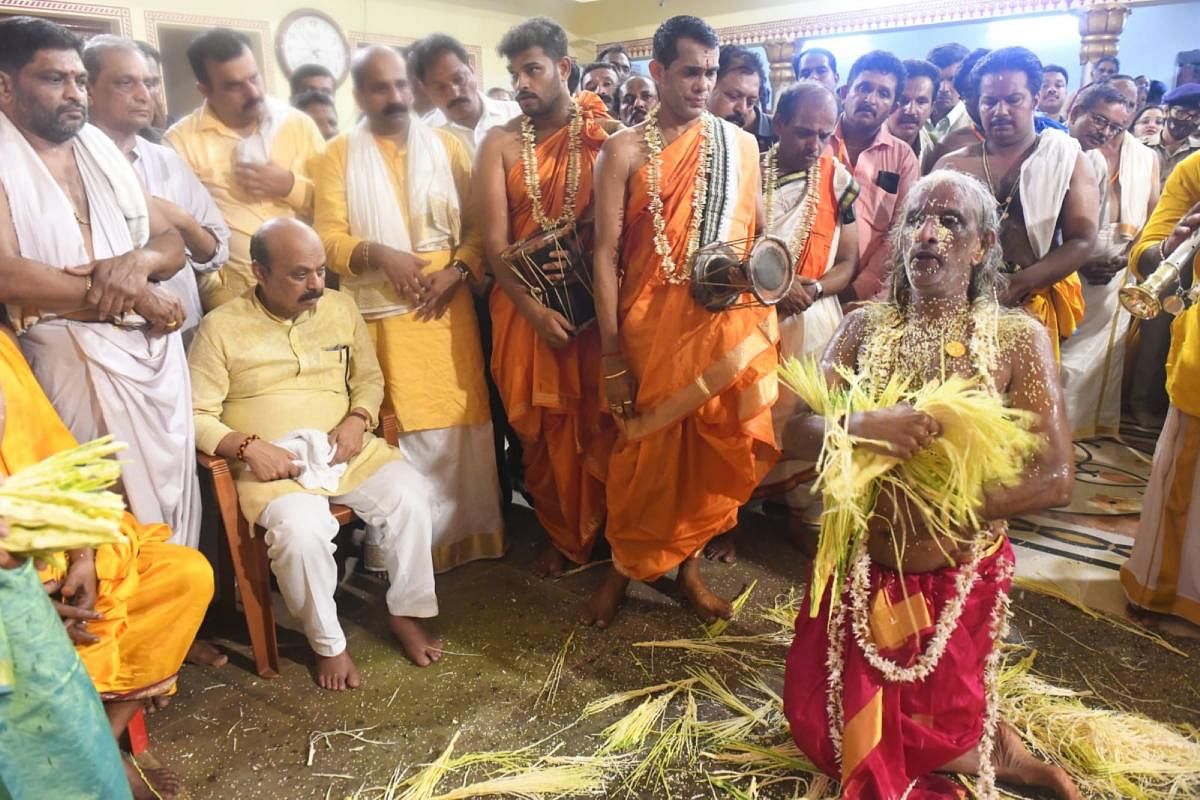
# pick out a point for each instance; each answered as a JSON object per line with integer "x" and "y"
{"x": 814, "y": 261}
{"x": 552, "y": 396}
{"x": 703, "y": 437}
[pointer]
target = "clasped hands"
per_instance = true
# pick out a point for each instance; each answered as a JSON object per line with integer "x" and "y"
{"x": 433, "y": 292}
{"x": 898, "y": 431}
{"x": 120, "y": 285}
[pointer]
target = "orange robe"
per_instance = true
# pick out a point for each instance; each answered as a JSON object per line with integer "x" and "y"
{"x": 153, "y": 594}
{"x": 702, "y": 438}
{"x": 552, "y": 397}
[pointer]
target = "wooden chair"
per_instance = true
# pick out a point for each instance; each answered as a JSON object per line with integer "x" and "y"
{"x": 249, "y": 553}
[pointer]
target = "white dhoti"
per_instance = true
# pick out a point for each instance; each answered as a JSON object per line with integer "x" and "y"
{"x": 1093, "y": 360}
{"x": 300, "y": 543}
{"x": 459, "y": 465}
{"x": 103, "y": 378}
{"x": 1163, "y": 574}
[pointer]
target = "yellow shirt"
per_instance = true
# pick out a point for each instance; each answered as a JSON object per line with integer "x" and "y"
{"x": 1181, "y": 192}
{"x": 434, "y": 370}
{"x": 256, "y": 373}
{"x": 209, "y": 148}
{"x": 331, "y": 215}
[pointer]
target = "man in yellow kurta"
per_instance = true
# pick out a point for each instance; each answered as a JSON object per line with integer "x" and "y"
{"x": 389, "y": 201}
{"x": 132, "y": 609}
{"x": 249, "y": 150}
{"x": 1163, "y": 573}
{"x": 286, "y": 382}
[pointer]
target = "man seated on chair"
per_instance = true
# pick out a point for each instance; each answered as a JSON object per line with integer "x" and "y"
{"x": 288, "y": 363}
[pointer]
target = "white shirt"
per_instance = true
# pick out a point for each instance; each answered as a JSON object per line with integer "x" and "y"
{"x": 165, "y": 174}
{"x": 952, "y": 121}
{"x": 495, "y": 112}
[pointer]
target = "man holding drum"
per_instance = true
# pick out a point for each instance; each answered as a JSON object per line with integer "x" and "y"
{"x": 691, "y": 388}
{"x": 534, "y": 178}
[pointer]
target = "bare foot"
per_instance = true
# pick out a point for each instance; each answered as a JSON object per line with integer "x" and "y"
{"x": 206, "y": 655}
{"x": 157, "y": 783}
{"x": 1017, "y": 766}
{"x": 601, "y": 608}
{"x": 157, "y": 703}
{"x": 337, "y": 673}
{"x": 550, "y": 564}
{"x": 420, "y": 647}
{"x": 722, "y": 548}
{"x": 706, "y": 604}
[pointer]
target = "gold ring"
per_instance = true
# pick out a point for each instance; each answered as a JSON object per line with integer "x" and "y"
{"x": 172, "y": 325}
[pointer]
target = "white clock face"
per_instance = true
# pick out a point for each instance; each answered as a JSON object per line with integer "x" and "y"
{"x": 315, "y": 40}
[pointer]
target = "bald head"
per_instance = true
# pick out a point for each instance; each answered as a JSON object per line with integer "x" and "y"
{"x": 289, "y": 263}
{"x": 382, "y": 89}
{"x": 805, "y": 117}
{"x": 638, "y": 95}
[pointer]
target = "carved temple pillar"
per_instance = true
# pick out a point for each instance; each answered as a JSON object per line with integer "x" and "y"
{"x": 1100, "y": 33}
{"x": 779, "y": 62}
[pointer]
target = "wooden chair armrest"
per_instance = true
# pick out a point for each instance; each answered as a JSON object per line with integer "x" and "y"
{"x": 389, "y": 428}
{"x": 212, "y": 463}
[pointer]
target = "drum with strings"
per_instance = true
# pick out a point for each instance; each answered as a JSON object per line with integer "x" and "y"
{"x": 720, "y": 277}
{"x": 536, "y": 264}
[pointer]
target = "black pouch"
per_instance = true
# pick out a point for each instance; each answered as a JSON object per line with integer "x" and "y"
{"x": 888, "y": 181}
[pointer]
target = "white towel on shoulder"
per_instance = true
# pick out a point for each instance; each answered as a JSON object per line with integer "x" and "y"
{"x": 313, "y": 452}
{"x": 1044, "y": 180}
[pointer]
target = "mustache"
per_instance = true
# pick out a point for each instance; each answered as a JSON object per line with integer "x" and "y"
{"x": 906, "y": 119}
{"x": 314, "y": 295}
{"x": 459, "y": 101}
{"x": 736, "y": 118}
{"x": 864, "y": 107}
{"x": 250, "y": 105}
{"x": 526, "y": 96}
{"x": 71, "y": 105}
{"x": 392, "y": 109}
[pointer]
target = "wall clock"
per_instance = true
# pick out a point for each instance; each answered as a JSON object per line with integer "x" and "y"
{"x": 307, "y": 36}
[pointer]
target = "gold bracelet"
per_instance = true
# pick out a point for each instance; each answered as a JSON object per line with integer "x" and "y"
{"x": 616, "y": 375}
{"x": 366, "y": 256}
{"x": 1162, "y": 249}
{"x": 88, "y": 280}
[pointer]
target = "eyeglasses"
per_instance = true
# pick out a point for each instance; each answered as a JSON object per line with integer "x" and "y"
{"x": 1104, "y": 124}
{"x": 1184, "y": 114}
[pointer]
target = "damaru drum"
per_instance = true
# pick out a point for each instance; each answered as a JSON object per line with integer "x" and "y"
{"x": 720, "y": 277}
{"x": 537, "y": 263}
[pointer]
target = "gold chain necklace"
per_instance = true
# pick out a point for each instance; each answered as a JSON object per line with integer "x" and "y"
{"x": 672, "y": 272}
{"x": 533, "y": 185}
{"x": 798, "y": 241}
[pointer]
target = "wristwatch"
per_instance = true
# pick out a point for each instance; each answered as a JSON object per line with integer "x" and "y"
{"x": 463, "y": 271}
{"x": 818, "y": 290}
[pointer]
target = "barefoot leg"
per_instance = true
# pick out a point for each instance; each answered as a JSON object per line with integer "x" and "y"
{"x": 337, "y": 673}
{"x": 550, "y": 564}
{"x": 151, "y": 784}
{"x": 706, "y": 604}
{"x": 1015, "y": 765}
{"x": 119, "y": 713}
{"x": 722, "y": 548}
{"x": 206, "y": 655}
{"x": 419, "y": 645}
{"x": 601, "y": 607}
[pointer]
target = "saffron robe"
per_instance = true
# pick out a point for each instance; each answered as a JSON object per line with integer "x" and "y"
{"x": 552, "y": 397}
{"x": 702, "y": 438}
{"x": 152, "y": 594}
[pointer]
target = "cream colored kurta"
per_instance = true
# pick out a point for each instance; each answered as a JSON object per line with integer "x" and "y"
{"x": 256, "y": 373}
{"x": 433, "y": 370}
{"x": 210, "y": 148}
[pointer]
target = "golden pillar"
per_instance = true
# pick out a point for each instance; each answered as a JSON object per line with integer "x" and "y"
{"x": 1100, "y": 33}
{"x": 779, "y": 59}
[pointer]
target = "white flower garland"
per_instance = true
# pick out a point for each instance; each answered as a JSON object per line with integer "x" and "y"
{"x": 529, "y": 162}
{"x": 672, "y": 272}
{"x": 811, "y": 200}
{"x": 985, "y": 782}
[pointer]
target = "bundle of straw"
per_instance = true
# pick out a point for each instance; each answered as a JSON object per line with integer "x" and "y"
{"x": 982, "y": 444}
{"x": 60, "y": 503}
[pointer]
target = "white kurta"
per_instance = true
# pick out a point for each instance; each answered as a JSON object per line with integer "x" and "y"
{"x": 103, "y": 378}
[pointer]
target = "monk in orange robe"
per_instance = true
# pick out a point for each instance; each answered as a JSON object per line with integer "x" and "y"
{"x": 545, "y": 367}
{"x": 691, "y": 389}
{"x": 132, "y": 609}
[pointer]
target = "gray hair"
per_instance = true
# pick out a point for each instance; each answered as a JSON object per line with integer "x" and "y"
{"x": 97, "y": 46}
{"x": 979, "y": 205}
